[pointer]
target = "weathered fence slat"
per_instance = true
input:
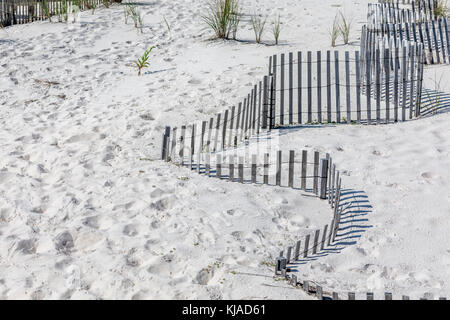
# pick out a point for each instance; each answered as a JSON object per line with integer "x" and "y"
{"x": 305, "y": 251}
{"x": 278, "y": 168}
{"x": 338, "y": 94}
{"x": 299, "y": 87}
{"x": 291, "y": 169}
{"x": 309, "y": 87}
{"x": 304, "y": 169}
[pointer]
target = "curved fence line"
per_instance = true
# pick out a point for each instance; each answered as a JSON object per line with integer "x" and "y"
{"x": 387, "y": 70}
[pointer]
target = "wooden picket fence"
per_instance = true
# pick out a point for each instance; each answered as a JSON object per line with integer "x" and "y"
{"x": 24, "y": 11}
{"x": 418, "y": 11}
{"x": 387, "y": 70}
{"x": 347, "y": 90}
{"x": 433, "y": 35}
{"x": 312, "y": 288}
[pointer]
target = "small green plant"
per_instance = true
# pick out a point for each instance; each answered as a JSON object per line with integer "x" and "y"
{"x": 167, "y": 24}
{"x": 65, "y": 10}
{"x": 75, "y": 10}
{"x": 334, "y": 32}
{"x": 236, "y": 16}
{"x": 345, "y": 28}
{"x": 93, "y": 6}
{"x": 142, "y": 62}
{"x": 276, "y": 29}
{"x": 133, "y": 12}
{"x": 46, "y": 10}
{"x": 223, "y": 17}
{"x": 258, "y": 25}
{"x": 441, "y": 9}
{"x": 106, "y": 3}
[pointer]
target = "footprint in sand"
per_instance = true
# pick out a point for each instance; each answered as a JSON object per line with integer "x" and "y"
{"x": 430, "y": 176}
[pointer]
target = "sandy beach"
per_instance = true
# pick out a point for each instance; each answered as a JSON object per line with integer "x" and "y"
{"x": 89, "y": 211}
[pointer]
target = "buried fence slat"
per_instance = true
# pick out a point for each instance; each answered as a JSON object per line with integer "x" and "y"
{"x": 224, "y": 129}
{"x": 304, "y": 169}
{"x": 255, "y": 103}
{"x": 244, "y": 109}
{"x": 265, "y": 103}
{"x": 369, "y": 295}
{"x": 230, "y": 135}
{"x": 247, "y": 117}
{"x": 297, "y": 250}
{"x": 208, "y": 141}
{"x": 266, "y": 168}
{"x": 436, "y": 44}
{"x": 368, "y": 87}
{"x": 299, "y": 87}
{"x": 442, "y": 298}
{"x": 412, "y": 82}
{"x": 291, "y": 85}
{"x": 166, "y": 135}
{"x": 316, "y": 241}
{"x": 202, "y": 140}
{"x": 329, "y": 86}
{"x": 387, "y": 296}
{"x": 251, "y": 111}
{"x": 319, "y": 86}
{"x": 282, "y": 89}
{"x": 447, "y": 37}
{"x": 351, "y": 296}
{"x": 427, "y": 31}
{"x": 238, "y": 118}
{"x": 305, "y": 250}
{"x": 219, "y": 166}
{"x": 216, "y": 135}
{"x": 278, "y": 168}
{"x": 330, "y": 172}
{"x": 377, "y": 83}
{"x": 324, "y": 237}
{"x": 387, "y": 70}
{"x": 306, "y": 285}
{"x": 316, "y": 173}
{"x": 231, "y": 169}
{"x": 182, "y": 139}
{"x": 335, "y": 296}
{"x": 291, "y": 168}
{"x": 338, "y": 94}
{"x": 441, "y": 36}
{"x": 347, "y": 85}
{"x": 333, "y": 187}
{"x": 193, "y": 130}
{"x": 319, "y": 292}
{"x": 288, "y": 254}
{"x": 396, "y": 75}
{"x": 244, "y": 120}
{"x": 208, "y": 164}
{"x": 293, "y": 281}
{"x": 323, "y": 178}
{"x": 254, "y": 168}
{"x": 273, "y": 101}
{"x": 404, "y": 93}
{"x": 258, "y": 119}
{"x": 309, "y": 87}
{"x": 241, "y": 170}
{"x": 358, "y": 87}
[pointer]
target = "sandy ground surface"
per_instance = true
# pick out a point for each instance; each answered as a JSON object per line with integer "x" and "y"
{"x": 88, "y": 210}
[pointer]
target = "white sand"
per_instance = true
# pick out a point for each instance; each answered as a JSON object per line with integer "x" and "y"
{"x": 88, "y": 210}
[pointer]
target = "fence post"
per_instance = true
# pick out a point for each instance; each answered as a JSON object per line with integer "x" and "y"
{"x": 323, "y": 178}
{"x": 291, "y": 168}
{"x": 165, "y": 149}
{"x": 265, "y": 103}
